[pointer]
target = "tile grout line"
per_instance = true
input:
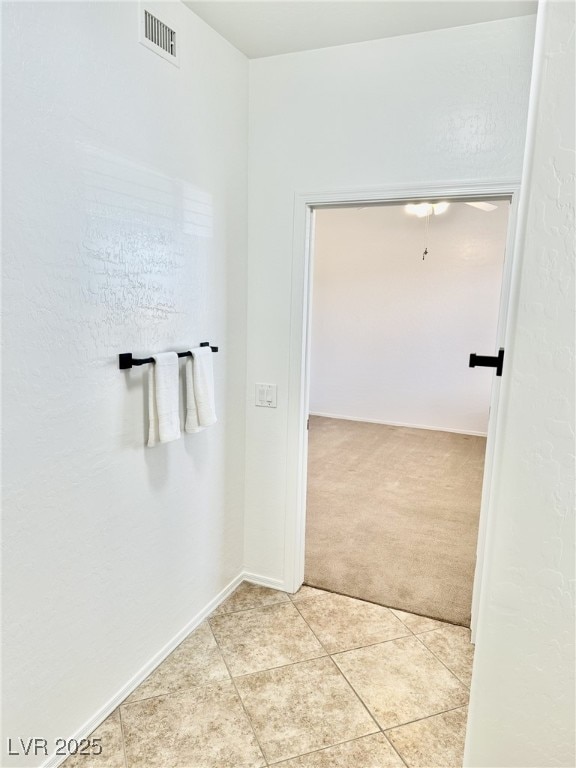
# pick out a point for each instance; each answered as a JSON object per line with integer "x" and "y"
{"x": 460, "y": 706}
{"x": 362, "y": 702}
{"x": 232, "y": 678}
{"x": 387, "y": 607}
{"x": 212, "y": 682}
{"x": 245, "y": 674}
{"x": 445, "y": 665}
{"x": 327, "y": 654}
{"x": 368, "y": 645}
{"x": 409, "y": 631}
{"x": 380, "y": 605}
{"x": 410, "y": 634}
{"x": 240, "y": 699}
{"x": 385, "y": 731}
{"x": 178, "y": 692}
{"x": 427, "y": 631}
{"x": 378, "y": 726}
{"x": 279, "y": 763}
{"x": 279, "y": 666}
{"x": 354, "y": 691}
{"x": 276, "y": 666}
{"x": 122, "y": 736}
{"x": 394, "y": 748}
{"x": 378, "y": 729}
{"x": 416, "y": 614}
{"x": 215, "y": 614}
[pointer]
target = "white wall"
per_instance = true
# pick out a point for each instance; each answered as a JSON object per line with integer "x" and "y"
{"x": 522, "y": 698}
{"x": 391, "y": 333}
{"x": 441, "y": 106}
{"x": 124, "y": 230}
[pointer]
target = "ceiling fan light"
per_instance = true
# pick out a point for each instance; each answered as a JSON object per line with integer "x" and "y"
{"x": 419, "y": 209}
{"x": 483, "y": 206}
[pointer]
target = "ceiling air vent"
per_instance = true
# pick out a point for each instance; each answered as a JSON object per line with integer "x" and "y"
{"x": 158, "y": 37}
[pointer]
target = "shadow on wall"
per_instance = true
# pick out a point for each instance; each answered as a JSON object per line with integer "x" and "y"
{"x": 141, "y": 227}
{"x": 145, "y": 254}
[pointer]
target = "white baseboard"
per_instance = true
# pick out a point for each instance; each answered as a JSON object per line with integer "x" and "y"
{"x": 157, "y": 659}
{"x": 265, "y": 581}
{"x": 399, "y": 424}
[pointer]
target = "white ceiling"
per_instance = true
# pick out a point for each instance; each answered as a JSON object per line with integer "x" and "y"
{"x": 270, "y": 27}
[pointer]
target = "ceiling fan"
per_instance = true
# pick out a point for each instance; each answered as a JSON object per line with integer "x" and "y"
{"x": 425, "y": 209}
{"x": 483, "y": 206}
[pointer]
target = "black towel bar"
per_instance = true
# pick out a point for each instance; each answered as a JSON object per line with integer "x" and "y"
{"x": 127, "y": 361}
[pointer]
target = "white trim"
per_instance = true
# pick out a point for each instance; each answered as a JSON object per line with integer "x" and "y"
{"x": 510, "y": 280}
{"x": 299, "y": 352}
{"x": 264, "y": 581}
{"x": 508, "y": 326}
{"x": 393, "y": 193}
{"x": 398, "y": 424}
{"x": 151, "y": 665}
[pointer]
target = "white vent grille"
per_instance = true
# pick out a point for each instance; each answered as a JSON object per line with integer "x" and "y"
{"x": 159, "y": 33}
{"x": 158, "y": 36}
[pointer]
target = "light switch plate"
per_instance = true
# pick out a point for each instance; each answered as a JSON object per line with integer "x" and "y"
{"x": 266, "y": 395}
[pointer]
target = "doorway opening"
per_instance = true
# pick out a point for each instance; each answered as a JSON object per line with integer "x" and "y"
{"x": 401, "y": 294}
{"x": 306, "y": 208}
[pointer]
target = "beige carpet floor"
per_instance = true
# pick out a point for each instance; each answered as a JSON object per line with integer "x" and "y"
{"x": 392, "y": 515}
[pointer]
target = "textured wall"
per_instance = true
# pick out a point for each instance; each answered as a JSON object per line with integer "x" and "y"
{"x": 391, "y": 333}
{"x": 434, "y": 107}
{"x": 522, "y": 699}
{"x": 124, "y": 230}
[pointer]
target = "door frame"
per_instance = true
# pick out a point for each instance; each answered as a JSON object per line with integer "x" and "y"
{"x": 299, "y": 355}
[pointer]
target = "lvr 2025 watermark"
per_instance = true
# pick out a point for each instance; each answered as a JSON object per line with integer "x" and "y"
{"x": 37, "y": 746}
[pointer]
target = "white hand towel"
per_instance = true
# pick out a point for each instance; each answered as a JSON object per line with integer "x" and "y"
{"x": 163, "y": 409}
{"x": 200, "y": 407}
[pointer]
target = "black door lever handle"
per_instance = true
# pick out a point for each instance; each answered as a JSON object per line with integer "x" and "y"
{"x": 488, "y": 362}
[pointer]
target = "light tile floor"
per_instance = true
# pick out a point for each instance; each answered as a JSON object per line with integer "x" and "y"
{"x": 311, "y": 680}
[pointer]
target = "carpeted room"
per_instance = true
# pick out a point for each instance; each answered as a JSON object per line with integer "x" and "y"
{"x": 397, "y": 434}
